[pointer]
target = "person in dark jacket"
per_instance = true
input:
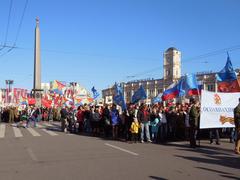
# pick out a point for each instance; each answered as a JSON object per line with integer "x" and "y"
{"x": 96, "y": 117}
{"x": 87, "y": 119}
{"x": 106, "y": 121}
{"x": 194, "y": 123}
{"x": 128, "y": 121}
{"x": 237, "y": 127}
{"x": 144, "y": 119}
{"x": 64, "y": 115}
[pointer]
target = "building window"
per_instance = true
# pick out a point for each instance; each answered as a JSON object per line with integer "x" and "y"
{"x": 167, "y": 72}
{"x": 151, "y": 92}
{"x": 213, "y": 87}
{"x": 210, "y": 87}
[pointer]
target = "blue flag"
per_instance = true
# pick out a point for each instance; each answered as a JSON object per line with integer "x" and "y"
{"x": 191, "y": 81}
{"x": 181, "y": 86}
{"x": 118, "y": 97}
{"x": 95, "y": 93}
{"x": 186, "y": 85}
{"x": 140, "y": 94}
{"x": 227, "y": 78}
{"x": 192, "y": 86}
{"x": 57, "y": 91}
{"x": 227, "y": 73}
{"x": 157, "y": 99}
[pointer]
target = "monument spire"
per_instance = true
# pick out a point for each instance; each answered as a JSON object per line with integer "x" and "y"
{"x": 37, "y": 66}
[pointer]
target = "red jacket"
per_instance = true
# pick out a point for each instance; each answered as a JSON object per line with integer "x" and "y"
{"x": 80, "y": 115}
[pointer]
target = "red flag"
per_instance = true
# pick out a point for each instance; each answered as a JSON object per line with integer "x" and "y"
{"x": 56, "y": 100}
{"x": 227, "y": 78}
{"x": 46, "y": 103}
{"x": 90, "y": 100}
{"x": 232, "y": 86}
{"x": 60, "y": 85}
{"x": 192, "y": 92}
{"x": 31, "y": 101}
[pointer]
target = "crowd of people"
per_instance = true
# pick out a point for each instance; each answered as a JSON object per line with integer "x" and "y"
{"x": 139, "y": 123}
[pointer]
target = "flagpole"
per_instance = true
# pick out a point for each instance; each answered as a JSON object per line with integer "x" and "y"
{"x": 164, "y": 102}
{"x": 216, "y": 85}
{"x": 199, "y": 140}
{"x": 199, "y": 96}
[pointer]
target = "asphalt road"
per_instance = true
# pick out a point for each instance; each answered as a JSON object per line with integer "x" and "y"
{"x": 69, "y": 157}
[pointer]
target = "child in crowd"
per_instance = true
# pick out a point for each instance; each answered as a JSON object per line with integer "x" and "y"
{"x": 134, "y": 130}
{"x": 155, "y": 125}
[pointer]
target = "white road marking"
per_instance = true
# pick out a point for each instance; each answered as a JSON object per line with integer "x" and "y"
{"x": 50, "y": 132}
{"x": 121, "y": 149}
{"x": 17, "y": 132}
{"x": 2, "y": 130}
{"x": 39, "y": 126}
{"x": 32, "y": 155}
{"x": 33, "y": 132}
{"x": 49, "y": 125}
{"x": 178, "y": 143}
{"x": 56, "y": 123}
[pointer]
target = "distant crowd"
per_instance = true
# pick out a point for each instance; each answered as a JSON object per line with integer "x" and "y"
{"x": 139, "y": 123}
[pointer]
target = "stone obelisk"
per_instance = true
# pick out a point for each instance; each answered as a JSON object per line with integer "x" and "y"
{"x": 37, "y": 67}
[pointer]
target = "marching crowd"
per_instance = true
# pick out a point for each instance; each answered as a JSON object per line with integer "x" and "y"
{"x": 139, "y": 123}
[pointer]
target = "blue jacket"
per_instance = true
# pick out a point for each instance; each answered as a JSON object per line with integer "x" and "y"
{"x": 114, "y": 116}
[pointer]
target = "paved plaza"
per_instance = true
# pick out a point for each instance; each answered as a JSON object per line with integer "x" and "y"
{"x": 46, "y": 153}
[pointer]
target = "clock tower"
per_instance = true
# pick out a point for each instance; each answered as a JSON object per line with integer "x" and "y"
{"x": 171, "y": 66}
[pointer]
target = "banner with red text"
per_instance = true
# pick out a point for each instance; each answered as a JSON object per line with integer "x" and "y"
{"x": 217, "y": 109}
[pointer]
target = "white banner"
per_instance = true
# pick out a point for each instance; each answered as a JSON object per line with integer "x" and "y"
{"x": 217, "y": 109}
{"x": 108, "y": 99}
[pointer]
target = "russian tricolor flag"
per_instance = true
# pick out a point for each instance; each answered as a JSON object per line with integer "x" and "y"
{"x": 186, "y": 85}
{"x": 227, "y": 78}
{"x": 192, "y": 87}
{"x": 171, "y": 92}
